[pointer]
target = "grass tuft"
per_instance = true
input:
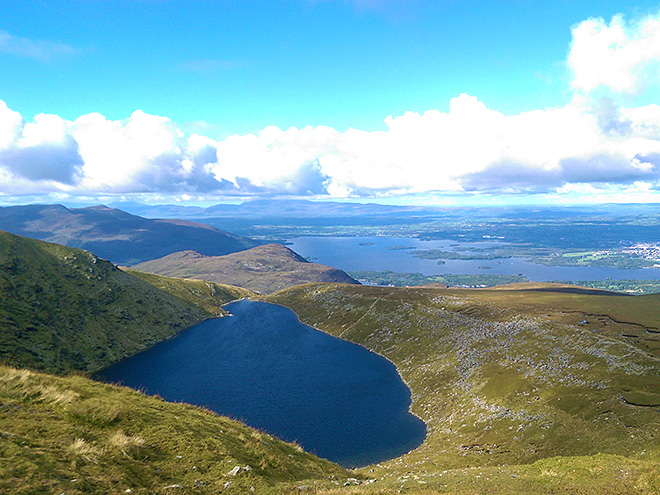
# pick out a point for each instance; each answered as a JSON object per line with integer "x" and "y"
{"x": 82, "y": 450}
{"x": 56, "y": 395}
{"x": 99, "y": 411}
{"x": 128, "y": 445}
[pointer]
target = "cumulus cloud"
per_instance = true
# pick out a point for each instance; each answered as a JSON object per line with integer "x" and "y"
{"x": 59, "y": 162}
{"x": 45, "y": 51}
{"x": 470, "y": 148}
{"x": 592, "y": 143}
{"x": 622, "y": 57}
{"x": 42, "y": 150}
{"x": 144, "y": 153}
{"x": 10, "y": 122}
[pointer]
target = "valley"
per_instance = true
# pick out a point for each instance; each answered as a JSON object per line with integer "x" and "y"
{"x": 329, "y": 247}
{"x": 579, "y": 244}
{"x": 523, "y": 388}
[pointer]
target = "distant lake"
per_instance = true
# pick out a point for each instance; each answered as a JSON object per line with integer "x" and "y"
{"x": 263, "y": 366}
{"x": 387, "y": 253}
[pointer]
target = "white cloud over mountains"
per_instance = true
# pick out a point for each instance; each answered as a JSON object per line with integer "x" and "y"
{"x": 593, "y": 143}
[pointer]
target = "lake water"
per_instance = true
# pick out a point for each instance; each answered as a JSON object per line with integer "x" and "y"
{"x": 372, "y": 254}
{"x": 263, "y": 366}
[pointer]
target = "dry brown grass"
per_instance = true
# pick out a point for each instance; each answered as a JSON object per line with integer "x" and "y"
{"x": 56, "y": 395}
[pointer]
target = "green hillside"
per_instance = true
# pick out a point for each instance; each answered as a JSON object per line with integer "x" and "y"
{"x": 64, "y": 309}
{"x": 76, "y": 436}
{"x": 208, "y": 295}
{"x": 510, "y": 377}
{"x": 264, "y": 269}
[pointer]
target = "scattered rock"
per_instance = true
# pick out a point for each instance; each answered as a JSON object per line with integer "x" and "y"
{"x": 235, "y": 470}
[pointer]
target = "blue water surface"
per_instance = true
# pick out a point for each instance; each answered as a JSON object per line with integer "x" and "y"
{"x": 376, "y": 254}
{"x": 263, "y": 366}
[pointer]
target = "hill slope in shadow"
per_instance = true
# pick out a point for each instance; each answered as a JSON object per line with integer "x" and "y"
{"x": 116, "y": 235}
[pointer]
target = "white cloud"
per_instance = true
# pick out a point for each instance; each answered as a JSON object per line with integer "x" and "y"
{"x": 116, "y": 152}
{"x": 38, "y": 151}
{"x": 9, "y": 125}
{"x": 623, "y": 57}
{"x": 45, "y": 51}
{"x": 591, "y": 144}
{"x": 469, "y": 148}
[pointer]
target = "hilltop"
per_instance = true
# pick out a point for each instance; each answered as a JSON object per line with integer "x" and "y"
{"x": 116, "y": 235}
{"x": 66, "y": 309}
{"x": 264, "y": 269}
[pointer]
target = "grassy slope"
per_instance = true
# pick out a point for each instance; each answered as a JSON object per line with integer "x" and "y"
{"x": 208, "y": 295}
{"x": 76, "y": 436}
{"x": 510, "y": 377}
{"x": 65, "y": 309}
{"x": 264, "y": 269}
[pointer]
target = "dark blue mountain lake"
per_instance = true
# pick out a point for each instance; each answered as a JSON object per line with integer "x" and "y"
{"x": 263, "y": 366}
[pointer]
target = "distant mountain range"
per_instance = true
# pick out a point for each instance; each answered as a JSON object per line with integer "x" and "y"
{"x": 280, "y": 208}
{"x": 116, "y": 235}
{"x": 264, "y": 269}
{"x": 301, "y": 208}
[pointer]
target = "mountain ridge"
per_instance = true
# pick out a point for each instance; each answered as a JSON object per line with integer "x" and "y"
{"x": 116, "y": 235}
{"x": 266, "y": 268}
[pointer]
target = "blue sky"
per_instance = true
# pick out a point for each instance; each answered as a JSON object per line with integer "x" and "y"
{"x": 245, "y": 79}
